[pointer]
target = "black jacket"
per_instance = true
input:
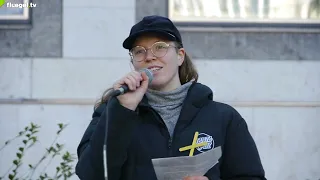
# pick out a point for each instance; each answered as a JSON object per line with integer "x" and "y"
{"x": 136, "y": 137}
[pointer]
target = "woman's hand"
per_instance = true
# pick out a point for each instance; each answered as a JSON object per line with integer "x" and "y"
{"x": 195, "y": 178}
{"x": 138, "y": 84}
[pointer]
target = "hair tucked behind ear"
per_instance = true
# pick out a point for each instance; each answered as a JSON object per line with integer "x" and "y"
{"x": 187, "y": 70}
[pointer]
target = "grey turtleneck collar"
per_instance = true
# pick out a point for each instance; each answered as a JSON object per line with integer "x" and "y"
{"x": 168, "y": 104}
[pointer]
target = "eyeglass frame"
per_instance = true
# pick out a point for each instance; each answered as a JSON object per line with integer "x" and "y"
{"x": 146, "y": 50}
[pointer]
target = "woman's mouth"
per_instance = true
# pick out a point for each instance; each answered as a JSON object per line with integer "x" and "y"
{"x": 155, "y": 69}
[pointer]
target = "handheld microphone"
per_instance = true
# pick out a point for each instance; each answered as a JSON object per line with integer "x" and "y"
{"x": 124, "y": 88}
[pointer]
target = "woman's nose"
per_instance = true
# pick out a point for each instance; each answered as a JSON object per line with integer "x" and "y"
{"x": 149, "y": 55}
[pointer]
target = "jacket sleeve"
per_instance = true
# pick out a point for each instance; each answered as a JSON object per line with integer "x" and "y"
{"x": 121, "y": 122}
{"x": 240, "y": 158}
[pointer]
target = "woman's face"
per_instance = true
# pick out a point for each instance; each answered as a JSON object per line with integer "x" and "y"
{"x": 164, "y": 63}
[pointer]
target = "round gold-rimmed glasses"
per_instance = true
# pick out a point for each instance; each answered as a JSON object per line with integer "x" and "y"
{"x": 158, "y": 49}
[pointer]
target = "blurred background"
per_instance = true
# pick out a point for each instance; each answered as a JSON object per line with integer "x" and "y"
{"x": 57, "y": 58}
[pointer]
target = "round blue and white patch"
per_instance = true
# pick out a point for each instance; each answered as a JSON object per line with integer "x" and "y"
{"x": 205, "y": 138}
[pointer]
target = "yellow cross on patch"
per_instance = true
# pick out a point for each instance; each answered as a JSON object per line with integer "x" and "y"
{"x": 193, "y": 145}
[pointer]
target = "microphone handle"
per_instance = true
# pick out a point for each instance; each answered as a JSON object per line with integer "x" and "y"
{"x": 123, "y": 89}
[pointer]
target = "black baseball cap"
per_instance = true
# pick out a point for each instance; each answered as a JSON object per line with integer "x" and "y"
{"x": 153, "y": 24}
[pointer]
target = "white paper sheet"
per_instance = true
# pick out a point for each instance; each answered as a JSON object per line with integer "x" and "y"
{"x": 176, "y": 168}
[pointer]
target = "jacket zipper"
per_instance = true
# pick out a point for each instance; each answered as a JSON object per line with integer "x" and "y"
{"x": 168, "y": 134}
{"x": 169, "y": 147}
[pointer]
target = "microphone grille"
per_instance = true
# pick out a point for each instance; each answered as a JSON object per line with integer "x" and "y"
{"x": 149, "y": 74}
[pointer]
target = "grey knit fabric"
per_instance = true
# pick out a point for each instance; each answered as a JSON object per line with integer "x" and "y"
{"x": 168, "y": 104}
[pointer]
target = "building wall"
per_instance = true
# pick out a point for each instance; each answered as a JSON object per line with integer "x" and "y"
{"x": 54, "y": 73}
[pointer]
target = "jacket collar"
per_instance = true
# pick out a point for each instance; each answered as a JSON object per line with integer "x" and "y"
{"x": 198, "y": 96}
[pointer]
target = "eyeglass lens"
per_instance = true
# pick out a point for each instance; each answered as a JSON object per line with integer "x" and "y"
{"x": 158, "y": 49}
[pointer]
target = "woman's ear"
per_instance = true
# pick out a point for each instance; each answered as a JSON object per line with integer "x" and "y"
{"x": 181, "y": 55}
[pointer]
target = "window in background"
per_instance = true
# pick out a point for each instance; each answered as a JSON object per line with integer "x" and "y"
{"x": 257, "y": 13}
{"x": 15, "y": 13}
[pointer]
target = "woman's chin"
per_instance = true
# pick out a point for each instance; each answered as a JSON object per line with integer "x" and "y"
{"x": 155, "y": 85}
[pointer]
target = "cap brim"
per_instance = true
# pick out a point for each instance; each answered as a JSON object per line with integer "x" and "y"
{"x": 128, "y": 42}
